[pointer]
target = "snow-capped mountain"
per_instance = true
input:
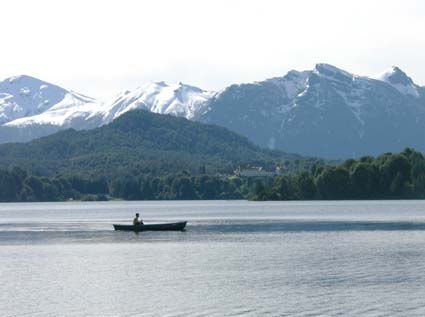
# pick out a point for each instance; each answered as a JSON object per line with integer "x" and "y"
{"x": 30, "y": 108}
{"x": 325, "y": 112}
{"x": 73, "y": 111}
{"x": 26, "y": 117}
{"x": 24, "y": 96}
{"x": 179, "y": 100}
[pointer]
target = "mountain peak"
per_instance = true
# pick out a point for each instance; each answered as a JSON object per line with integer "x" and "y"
{"x": 25, "y": 100}
{"x": 186, "y": 87}
{"x": 161, "y": 83}
{"x": 28, "y": 82}
{"x": 21, "y": 80}
{"x": 395, "y": 75}
{"x": 399, "y": 80}
{"x": 335, "y": 73}
{"x": 23, "y": 96}
{"x": 159, "y": 97}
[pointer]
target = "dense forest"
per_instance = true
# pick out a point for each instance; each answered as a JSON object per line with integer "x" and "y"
{"x": 388, "y": 176}
{"x": 17, "y": 185}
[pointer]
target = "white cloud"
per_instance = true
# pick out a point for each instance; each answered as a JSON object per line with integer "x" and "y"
{"x": 97, "y": 47}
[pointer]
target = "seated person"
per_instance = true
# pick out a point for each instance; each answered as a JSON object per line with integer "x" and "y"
{"x": 136, "y": 220}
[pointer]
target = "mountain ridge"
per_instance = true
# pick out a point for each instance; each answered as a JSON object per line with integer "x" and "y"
{"x": 325, "y": 111}
{"x": 333, "y": 114}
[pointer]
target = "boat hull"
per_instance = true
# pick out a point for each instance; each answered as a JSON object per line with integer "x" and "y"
{"x": 176, "y": 226}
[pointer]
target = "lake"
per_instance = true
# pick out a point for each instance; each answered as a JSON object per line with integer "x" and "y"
{"x": 236, "y": 258}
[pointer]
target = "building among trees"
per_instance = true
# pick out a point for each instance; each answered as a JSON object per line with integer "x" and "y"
{"x": 256, "y": 171}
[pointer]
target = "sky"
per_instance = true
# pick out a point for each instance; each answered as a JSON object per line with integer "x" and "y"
{"x": 102, "y": 47}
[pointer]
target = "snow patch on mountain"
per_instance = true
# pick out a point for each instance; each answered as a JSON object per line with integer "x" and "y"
{"x": 400, "y": 81}
{"x": 292, "y": 83}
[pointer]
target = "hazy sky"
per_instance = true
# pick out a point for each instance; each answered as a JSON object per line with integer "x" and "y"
{"x": 101, "y": 47}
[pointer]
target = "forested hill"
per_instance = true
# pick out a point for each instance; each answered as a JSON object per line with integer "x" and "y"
{"x": 138, "y": 142}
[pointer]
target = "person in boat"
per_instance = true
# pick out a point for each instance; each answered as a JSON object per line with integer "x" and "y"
{"x": 137, "y": 221}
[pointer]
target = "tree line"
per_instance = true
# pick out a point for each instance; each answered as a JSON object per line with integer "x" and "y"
{"x": 388, "y": 176}
{"x": 16, "y": 185}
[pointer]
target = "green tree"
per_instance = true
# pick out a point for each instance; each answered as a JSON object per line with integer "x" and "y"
{"x": 395, "y": 173}
{"x": 305, "y": 185}
{"x": 334, "y": 183}
{"x": 364, "y": 181}
{"x": 183, "y": 188}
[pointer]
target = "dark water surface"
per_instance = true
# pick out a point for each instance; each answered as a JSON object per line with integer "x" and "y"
{"x": 236, "y": 258}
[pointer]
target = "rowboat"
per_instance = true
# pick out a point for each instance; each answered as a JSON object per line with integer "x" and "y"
{"x": 176, "y": 226}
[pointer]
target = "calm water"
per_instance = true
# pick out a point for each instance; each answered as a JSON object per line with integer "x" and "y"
{"x": 351, "y": 258}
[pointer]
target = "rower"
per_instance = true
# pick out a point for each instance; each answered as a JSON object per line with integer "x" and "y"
{"x": 136, "y": 220}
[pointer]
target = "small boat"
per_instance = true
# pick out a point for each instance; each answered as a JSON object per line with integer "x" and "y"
{"x": 176, "y": 226}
